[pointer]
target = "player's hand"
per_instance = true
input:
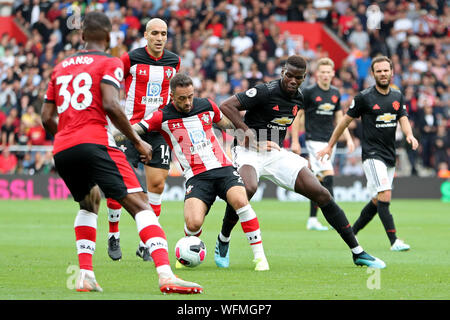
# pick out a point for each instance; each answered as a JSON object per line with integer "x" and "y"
{"x": 296, "y": 148}
{"x": 324, "y": 154}
{"x": 350, "y": 146}
{"x": 119, "y": 137}
{"x": 412, "y": 141}
{"x": 247, "y": 139}
{"x": 145, "y": 151}
{"x": 267, "y": 146}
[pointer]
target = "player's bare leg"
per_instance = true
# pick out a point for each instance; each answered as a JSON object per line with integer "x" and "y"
{"x": 156, "y": 181}
{"x": 308, "y": 185}
{"x": 231, "y": 218}
{"x": 194, "y": 215}
{"x": 153, "y": 236}
{"x": 85, "y": 226}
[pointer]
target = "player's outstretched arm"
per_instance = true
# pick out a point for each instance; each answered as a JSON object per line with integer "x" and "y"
{"x": 342, "y": 125}
{"x": 407, "y": 131}
{"x": 110, "y": 99}
{"x": 347, "y": 135}
{"x": 225, "y": 123}
{"x": 297, "y": 126}
{"x": 231, "y": 108}
{"x": 48, "y": 114}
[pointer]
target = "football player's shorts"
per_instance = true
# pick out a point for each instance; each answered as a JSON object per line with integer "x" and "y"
{"x": 161, "y": 151}
{"x": 86, "y": 165}
{"x": 279, "y": 166}
{"x": 207, "y": 185}
{"x": 317, "y": 165}
{"x": 379, "y": 176}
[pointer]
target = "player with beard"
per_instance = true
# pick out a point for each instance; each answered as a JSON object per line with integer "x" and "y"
{"x": 147, "y": 74}
{"x": 270, "y": 109}
{"x": 380, "y": 108}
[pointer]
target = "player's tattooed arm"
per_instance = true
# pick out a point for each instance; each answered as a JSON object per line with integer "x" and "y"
{"x": 231, "y": 108}
{"x": 225, "y": 124}
{"x": 111, "y": 104}
{"x": 120, "y": 137}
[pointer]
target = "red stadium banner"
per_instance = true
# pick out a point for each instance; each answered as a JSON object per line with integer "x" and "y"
{"x": 7, "y": 25}
{"x": 315, "y": 34}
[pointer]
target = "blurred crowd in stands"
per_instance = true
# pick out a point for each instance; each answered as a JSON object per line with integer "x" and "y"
{"x": 227, "y": 46}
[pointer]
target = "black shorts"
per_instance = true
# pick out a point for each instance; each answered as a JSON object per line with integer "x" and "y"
{"x": 161, "y": 151}
{"x": 207, "y": 185}
{"x": 86, "y": 165}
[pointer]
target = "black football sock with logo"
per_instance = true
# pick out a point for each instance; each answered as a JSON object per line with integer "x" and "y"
{"x": 229, "y": 221}
{"x": 387, "y": 220}
{"x": 367, "y": 214}
{"x": 337, "y": 219}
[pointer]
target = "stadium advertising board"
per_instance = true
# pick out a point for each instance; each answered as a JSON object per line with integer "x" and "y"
{"x": 24, "y": 187}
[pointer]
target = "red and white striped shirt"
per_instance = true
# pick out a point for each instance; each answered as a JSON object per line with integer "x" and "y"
{"x": 147, "y": 81}
{"x": 190, "y": 136}
{"x": 74, "y": 88}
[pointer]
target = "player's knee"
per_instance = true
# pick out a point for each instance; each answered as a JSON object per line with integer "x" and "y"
{"x": 157, "y": 187}
{"x": 193, "y": 224}
{"x": 322, "y": 197}
{"x": 250, "y": 189}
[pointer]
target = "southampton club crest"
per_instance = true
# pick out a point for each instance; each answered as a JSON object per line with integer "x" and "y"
{"x": 205, "y": 118}
{"x": 169, "y": 73}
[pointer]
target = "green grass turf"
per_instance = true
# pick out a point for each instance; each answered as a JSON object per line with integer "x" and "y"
{"x": 37, "y": 247}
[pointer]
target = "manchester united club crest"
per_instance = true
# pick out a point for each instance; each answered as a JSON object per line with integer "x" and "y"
{"x": 334, "y": 98}
{"x": 169, "y": 73}
{"x": 295, "y": 110}
{"x": 396, "y": 105}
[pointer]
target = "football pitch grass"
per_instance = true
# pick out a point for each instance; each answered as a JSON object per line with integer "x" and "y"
{"x": 38, "y": 255}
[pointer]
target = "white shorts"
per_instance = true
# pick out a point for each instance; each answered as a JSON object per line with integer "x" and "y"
{"x": 318, "y": 166}
{"x": 280, "y": 167}
{"x": 379, "y": 176}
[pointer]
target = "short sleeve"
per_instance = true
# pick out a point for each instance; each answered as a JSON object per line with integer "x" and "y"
{"x": 403, "y": 110}
{"x": 113, "y": 72}
{"x": 253, "y": 97}
{"x": 217, "y": 113}
{"x": 337, "y": 106}
{"x": 356, "y": 107}
{"x": 152, "y": 122}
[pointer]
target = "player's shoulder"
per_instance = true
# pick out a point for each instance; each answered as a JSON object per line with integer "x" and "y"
{"x": 202, "y": 104}
{"x": 396, "y": 93}
{"x": 271, "y": 86}
{"x": 93, "y": 59}
{"x": 334, "y": 90}
{"x": 170, "y": 55}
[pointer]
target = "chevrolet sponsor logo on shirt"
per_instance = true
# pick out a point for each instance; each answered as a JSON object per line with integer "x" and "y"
{"x": 325, "y": 108}
{"x": 388, "y": 119}
{"x": 282, "y": 121}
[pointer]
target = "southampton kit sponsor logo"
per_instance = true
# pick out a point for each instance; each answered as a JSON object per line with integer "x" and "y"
{"x": 388, "y": 119}
{"x": 153, "y": 94}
